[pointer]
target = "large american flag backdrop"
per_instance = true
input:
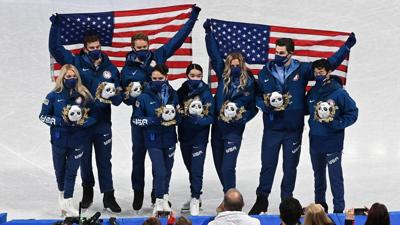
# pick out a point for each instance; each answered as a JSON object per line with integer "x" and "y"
{"x": 257, "y": 44}
{"x": 116, "y": 28}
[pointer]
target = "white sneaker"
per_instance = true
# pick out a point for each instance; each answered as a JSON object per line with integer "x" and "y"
{"x": 158, "y": 206}
{"x": 186, "y": 205}
{"x": 60, "y": 199}
{"x": 194, "y": 207}
{"x": 68, "y": 208}
{"x": 166, "y": 206}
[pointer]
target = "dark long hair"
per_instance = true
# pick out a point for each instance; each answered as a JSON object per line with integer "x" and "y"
{"x": 378, "y": 215}
{"x": 193, "y": 66}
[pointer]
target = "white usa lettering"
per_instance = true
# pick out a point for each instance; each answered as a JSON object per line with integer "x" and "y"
{"x": 140, "y": 122}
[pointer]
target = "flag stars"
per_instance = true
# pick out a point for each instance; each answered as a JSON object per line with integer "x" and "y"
{"x": 88, "y": 19}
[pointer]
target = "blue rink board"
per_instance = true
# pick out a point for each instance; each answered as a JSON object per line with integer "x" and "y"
{"x": 201, "y": 220}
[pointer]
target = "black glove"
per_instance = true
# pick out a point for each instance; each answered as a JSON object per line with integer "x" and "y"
{"x": 351, "y": 40}
{"x": 195, "y": 12}
{"x": 207, "y": 26}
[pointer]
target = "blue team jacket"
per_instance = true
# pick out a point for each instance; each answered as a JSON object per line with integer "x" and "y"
{"x": 299, "y": 73}
{"x": 155, "y": 134}
{"x": 62, "y": 133}
{"x": 328, "y": 137}
{"x": 138, "y": 72}
{"x": 91, "y": 76}
{"x": 242, "y": 97}
{"x": 194, "y": 130}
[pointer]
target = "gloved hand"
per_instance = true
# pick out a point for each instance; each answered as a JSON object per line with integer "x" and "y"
{"x": 195, "y": 12}
{"x": 351, "y": 40}
{"x": 53, "y": 18}
{"x": 207, "y": 26}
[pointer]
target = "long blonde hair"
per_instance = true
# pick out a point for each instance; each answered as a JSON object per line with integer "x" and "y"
{"x": 227, "y": 70}
{"x": 82, "y": 90}
{"x": 315, "y": 215}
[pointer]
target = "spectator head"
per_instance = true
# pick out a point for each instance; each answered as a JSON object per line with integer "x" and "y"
{"x": 140, "y": 41}
{"x": 378, "y": 215}
{"x": 290, "y": 211}
{"x": 233, "y": 200}
{"x": 152, "y": 221}
{"x": 315, "y": 215}
{"x": 183, "y": 221}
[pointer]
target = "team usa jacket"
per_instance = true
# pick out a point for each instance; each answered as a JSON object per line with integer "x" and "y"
{"x": 328, "y": 135}
{"x": 294, "y": 87}
{"x": 157, "y": 132}
{"x": 64, "y": 133}
{"x": 194, "y": 129}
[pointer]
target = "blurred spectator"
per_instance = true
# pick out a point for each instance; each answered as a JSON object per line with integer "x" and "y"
{"x": 315, "y": 215}
{"x": 376, "y": 215}
{"x": 232, "y": 211}
{"x": 290, "y": 211}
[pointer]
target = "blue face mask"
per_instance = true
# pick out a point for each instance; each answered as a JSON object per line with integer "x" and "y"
{"x": 235, "y": 71}
{"x": 319, "y": 80}
{"x": 70, "y": 83}
{"x": 95, "y": 54}
{"x": 281, "y": 60}
{"x": 157, "y": 85}
{"x": 194, "y": 83}
{"x": 142, "y": 55}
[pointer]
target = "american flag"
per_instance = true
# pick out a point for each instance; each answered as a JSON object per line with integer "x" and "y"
{"x": 116, "y": 28}
{"x": 257, "y": 44}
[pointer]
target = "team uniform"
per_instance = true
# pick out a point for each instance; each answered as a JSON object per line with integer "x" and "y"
{"x": 67, "y": 138}
{"x": 197, "y": 105}
{"x": 331, "y": 111}
{"x": 134, "y": 77}
{"x": 283, "y": 126}
{"x": 153, "y": 107}
{"x": 226, "y": 136}
{"x": 101, "y": 80}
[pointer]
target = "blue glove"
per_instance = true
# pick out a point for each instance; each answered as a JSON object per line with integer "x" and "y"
{"x": 207, "y": 26}
{"x": 195, "y": 12}
{"x": 351, "y": 40}
{"x": 53, "y": 18}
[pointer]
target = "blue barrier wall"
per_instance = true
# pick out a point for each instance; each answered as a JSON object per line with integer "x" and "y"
{"x": 3, "y": 217}
{"x": 203, "y": 220}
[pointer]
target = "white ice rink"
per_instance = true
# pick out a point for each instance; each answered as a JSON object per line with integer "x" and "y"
{"x": 371, "y": 158}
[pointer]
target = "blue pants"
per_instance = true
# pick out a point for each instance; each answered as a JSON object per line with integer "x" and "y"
{"x": 100, "y": 137}
{"x": 271, "y": 145}
{"x": 66, "y": 162}
{"x": 334, "y": 161}
{"x": 193, "y": 157}
{"x": 138, "y": 158}
{"x": 225, "y": 153}
{"x": 162, "y": 160}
